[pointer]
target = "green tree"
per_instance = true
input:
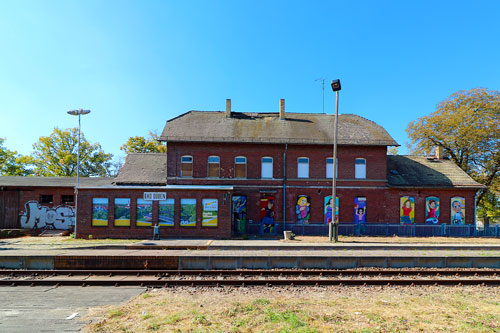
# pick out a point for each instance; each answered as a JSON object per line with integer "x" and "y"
{"x": 56, "y": 155}
{"x": 13, "y": 164}
{"x": 467, "y": 126}
{"x": 140, "y": 144}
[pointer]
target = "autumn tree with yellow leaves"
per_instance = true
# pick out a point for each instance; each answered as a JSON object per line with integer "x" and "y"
{"x": 467, "y": 126}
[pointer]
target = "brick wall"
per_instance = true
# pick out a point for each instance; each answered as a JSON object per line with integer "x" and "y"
{"x": 85, "y": 228}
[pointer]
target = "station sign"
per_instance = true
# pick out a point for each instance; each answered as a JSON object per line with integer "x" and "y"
{"x": 155, "y": 196}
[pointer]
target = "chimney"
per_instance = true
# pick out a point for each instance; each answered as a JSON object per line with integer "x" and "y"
{"x": 228, "y": 108}
{"x": 282, "y": 109}
{"x": 439, "y": 152}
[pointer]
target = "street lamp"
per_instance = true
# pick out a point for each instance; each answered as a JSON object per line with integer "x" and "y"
{"x": 333, "y": 234}
{"x": 78, "y": 113}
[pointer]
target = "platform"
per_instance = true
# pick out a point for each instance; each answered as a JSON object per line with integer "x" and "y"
{"x": 249, "y": 254}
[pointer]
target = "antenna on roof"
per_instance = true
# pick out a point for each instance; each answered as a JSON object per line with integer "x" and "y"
{"x": 323, "y": 86}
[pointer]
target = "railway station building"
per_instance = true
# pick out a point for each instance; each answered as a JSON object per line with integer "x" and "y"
{"x": 227, "y": 173}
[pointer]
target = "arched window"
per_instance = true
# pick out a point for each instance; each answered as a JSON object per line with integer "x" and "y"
{"x": 267, "y": 167}
{"x": 213, "y": 166}
{"x": 360, "y": 168}
{"x": 187, "y": 166}
{"x": 240, "y": 167}
{"x": 302, "y": 167}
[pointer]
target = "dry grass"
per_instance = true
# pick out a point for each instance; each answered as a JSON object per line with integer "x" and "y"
{"x": 338, "y": 309}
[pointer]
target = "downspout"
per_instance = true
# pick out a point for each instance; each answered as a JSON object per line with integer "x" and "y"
{"x": 284, "y": 187}
{"x": 475, "y": 212}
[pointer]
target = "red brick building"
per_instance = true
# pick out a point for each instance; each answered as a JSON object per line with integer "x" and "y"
{"x": 231, "y": 172}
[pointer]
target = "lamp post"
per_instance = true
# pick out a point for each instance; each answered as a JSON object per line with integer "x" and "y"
{"x": 333, "y": 234}
{"x": 78, "y": 113}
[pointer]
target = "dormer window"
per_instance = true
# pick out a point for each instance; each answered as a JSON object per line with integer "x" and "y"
{"x": 187, "y": 166}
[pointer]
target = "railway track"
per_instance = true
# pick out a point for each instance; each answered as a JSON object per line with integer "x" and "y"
{"x": 243, "y": 278}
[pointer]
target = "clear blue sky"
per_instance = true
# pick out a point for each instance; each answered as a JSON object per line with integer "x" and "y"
{"x": 136, "y": 64}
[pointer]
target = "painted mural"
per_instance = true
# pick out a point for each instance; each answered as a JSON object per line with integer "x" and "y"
{"x": 303, "y": 209}
{"x": 188, "y": 213}
{"x": 328, "y": 209}
{"x": 267, "y": 208}
{"x": 144, "y": 213}
{"x": 166, "y": 212}
{"x": 99, "y": 212}
{"x": 122, "y": 212}
{"x": 360, "y": 210}
{"x": 407, "y": 210}
{"x": 457, "y": 210}
{"x": 432, "y": 210}
{"x": 210, "y": 212}
{"x": 42, "y": 217}
{"x": 240, "y": 213}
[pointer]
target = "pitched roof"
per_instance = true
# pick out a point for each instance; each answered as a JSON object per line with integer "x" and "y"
{"x": 420, "y": 171}
{"x": 144, "y": 168}
{"x": 299, "y": 128}
{"x": 33, "y": 181}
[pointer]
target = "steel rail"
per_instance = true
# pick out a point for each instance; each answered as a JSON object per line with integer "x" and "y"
{"x": 251, "y": 282}
{"x": 307, "y": 272}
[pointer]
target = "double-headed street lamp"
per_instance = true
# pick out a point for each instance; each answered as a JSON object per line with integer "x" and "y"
{"x": 78, "y": 113}
{"x": 333, "y": 229}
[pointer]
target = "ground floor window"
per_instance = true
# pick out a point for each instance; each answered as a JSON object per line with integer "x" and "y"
{"x": 210, "y": 213}
{"x": 144, "y": 213}
{"x": 166, "y": 212}
{"x": 188, "y": 213}
{"x": 99, "y": 212}
{"x": 122, "y": 212}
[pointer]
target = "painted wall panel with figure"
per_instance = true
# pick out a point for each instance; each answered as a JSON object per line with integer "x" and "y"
{"x": 457, "y": 210}
{"x": 303, "y": 209}
{"x": 432, "y": 210}
{"x": 407, "y": 210}
{"x": 328, "y": 209}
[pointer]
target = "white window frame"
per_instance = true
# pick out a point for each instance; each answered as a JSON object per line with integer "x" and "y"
{"x": 244, "y": 163}
{"x": 264, "y": 167}
{"x": 182, "y": 162}
{"x": 329, "y": 170}
{"x": 303, "y": 167}
{"x": 208, "y": 165}
{"x": 360, "y": 168}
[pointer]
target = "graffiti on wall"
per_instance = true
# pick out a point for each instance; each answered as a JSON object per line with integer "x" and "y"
{"x": 43, "y": 217}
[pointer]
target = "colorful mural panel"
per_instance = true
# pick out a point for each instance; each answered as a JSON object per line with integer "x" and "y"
{"x": 407, "y": 210}
{"x": 210, "y": 212}
{"x": 188, "y": 213}
{"x": 100, "y": 212}
{"x": 457, "y": 210}
{"x": 432, "y": 210}
{"x": 42, "y": 217}
{"x": 303, "y": 209}
{"x": 328, "y": 209}
{"x": 359, "y": 210}
{"x": 166, "y": 212}
{"x": 122, "y": 212}
{"x": 240, "y": 213}
{"x": 144, "y": 213}
{"x": 267, "y": 208}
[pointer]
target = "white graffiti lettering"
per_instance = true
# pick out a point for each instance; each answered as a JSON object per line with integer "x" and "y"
{"x": 42, "y": 217}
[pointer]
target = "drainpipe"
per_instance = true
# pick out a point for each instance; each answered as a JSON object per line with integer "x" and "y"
{"x": 284, "y": 187}
{"x": 475, "y": 212}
